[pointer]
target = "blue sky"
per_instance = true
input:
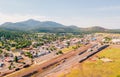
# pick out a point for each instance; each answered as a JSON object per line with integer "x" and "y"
{"x": 83, "y": 13}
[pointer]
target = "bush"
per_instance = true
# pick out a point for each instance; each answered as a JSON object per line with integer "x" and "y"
{"x": 59, "y": 52}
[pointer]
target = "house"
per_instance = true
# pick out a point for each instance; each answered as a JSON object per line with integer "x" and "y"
{"x": 9, "y": 59}
{"x": 116, "y": 41}
{"x": 19, "y": 57}
{"x": 1, "y": 64}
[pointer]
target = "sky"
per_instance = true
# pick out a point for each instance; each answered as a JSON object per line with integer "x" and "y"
{"x": 82, "y": 13}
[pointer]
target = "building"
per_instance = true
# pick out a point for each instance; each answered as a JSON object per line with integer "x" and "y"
{"x": 116, "y": 41}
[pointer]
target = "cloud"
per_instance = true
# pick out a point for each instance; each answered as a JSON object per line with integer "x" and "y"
{"x": 20, "y": 17}
{"x": 107, "y": 22}
{"x": 110, "y": 8}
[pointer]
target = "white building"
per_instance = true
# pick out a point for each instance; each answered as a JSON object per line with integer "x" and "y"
{"x": 116, "y": 41}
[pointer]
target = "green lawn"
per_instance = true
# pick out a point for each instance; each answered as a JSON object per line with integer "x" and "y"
{"x": 0, "y": 44}
{"x": 98, "y": 68}
{"x": 70, "y": 48}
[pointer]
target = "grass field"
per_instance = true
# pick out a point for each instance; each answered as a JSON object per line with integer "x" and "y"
{"x": 98, "y": 68}
{"x": 0, "y": 44}
{"x": 70, "y": 48}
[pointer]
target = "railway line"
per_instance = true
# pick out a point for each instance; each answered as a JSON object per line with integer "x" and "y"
{"x": 72, "y": 61}
{"x": 54, "y": 63}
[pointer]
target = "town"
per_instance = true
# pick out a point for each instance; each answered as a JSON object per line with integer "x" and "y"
{"x": 59, "y": 38}
{"x": 43, "y": 47}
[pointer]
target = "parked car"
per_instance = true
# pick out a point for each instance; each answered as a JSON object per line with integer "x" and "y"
{"x": 1, "y": 64}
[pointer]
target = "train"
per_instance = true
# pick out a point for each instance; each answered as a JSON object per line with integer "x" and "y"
{"x": 99, "y": 49}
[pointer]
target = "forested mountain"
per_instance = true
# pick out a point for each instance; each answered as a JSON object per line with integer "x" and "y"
{"x": 30, "y": 25}
{"x": 50, "y": 26}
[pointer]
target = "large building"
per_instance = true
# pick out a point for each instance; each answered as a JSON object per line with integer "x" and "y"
{"x": 116, "y": 41}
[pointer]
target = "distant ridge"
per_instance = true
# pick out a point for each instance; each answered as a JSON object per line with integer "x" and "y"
{"x": 95, "y": 28}
{"x": 50, "y": 26}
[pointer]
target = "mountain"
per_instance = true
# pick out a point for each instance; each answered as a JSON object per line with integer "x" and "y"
{"x": 29, "y": 25}
{"x": 31, "y": 22}
{"x": 99, "y": 29}
{"x": 95, "y": 29}
{"x": 50, "y": 26}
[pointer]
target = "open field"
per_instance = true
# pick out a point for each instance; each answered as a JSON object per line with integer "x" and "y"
{"x": 95, "y": 67}
{"x": 0, "y": 44}
{"x": 70, "y": 48}
{"x": 64, "y": 50}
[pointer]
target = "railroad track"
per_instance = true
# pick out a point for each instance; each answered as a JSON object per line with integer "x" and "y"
{"x": 72, "y": 61}
{"x": 44, "y": 66}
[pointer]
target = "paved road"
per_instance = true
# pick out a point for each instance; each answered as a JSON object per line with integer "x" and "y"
{"x": 45, "y": 57}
